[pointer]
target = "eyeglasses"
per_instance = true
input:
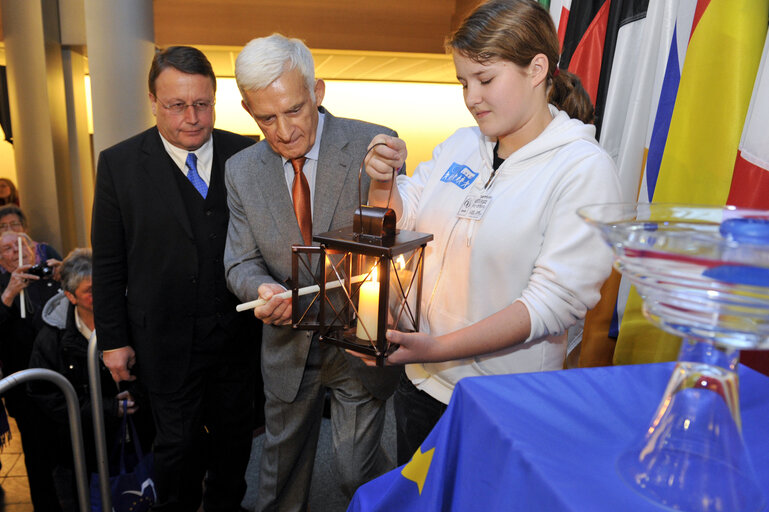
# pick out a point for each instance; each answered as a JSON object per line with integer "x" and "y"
{"x": 10, "y": 225}
{"x": 179, "y": 107}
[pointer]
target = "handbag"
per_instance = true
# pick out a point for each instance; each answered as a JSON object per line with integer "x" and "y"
{"x": 132, "y": 488}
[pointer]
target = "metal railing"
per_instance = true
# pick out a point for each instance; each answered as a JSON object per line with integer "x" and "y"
{"x": 99, "y": 435}
{"x": 73, "y": 413}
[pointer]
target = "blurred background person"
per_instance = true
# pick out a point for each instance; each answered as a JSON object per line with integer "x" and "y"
{"x": 17, "y": 336}
{"x": 8, "y": 192}
{"x": 62, "y": 346}
{"x": 13, "y": 218}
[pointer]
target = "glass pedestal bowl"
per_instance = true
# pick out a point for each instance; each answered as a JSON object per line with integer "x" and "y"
{"x": 703, "y": 273}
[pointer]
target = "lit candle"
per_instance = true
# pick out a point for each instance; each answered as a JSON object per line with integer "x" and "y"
{"x": 368, "y": 308}
{"x": 403, "y": 275}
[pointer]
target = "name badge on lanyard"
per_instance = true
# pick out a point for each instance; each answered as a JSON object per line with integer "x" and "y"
{"x": 474, "y": 206}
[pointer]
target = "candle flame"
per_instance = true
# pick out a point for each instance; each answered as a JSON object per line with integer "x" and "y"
{"x": 373, "y": 276}
{"x": 401, "y": 261}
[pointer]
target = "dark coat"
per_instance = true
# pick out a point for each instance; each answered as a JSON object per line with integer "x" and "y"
{"x": 17, "y": 335}
{"x": 60, "y": 347}
{"x": 146, "y": 266}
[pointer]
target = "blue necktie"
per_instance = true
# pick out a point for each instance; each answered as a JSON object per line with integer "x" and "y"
{"x": 194, "y": 177}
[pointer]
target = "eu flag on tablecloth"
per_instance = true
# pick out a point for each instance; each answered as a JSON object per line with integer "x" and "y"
{"x": 435, "y": 478}
{"x": 400, "y": 489}
{"x": 412, "y": 485}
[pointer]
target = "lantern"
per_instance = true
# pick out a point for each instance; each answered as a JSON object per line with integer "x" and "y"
{"x": 368, "y": 279}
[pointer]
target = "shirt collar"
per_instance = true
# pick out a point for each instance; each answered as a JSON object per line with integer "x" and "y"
{"x": 205, "y": 154}
{"x": 81, "y": 327}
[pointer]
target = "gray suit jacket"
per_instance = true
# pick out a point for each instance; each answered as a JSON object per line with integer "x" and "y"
{"x": 263, "y": 227}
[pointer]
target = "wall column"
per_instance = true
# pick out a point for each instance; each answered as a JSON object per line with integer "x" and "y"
{"x": 39, "y": 118}
{"x": 46, "y": 43}
{"x": 120, "y": 36}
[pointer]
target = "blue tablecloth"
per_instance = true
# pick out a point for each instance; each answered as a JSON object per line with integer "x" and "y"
{"x": 547, "y": 442}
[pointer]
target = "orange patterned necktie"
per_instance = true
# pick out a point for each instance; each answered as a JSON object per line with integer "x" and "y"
{"x": 301, "y": 193}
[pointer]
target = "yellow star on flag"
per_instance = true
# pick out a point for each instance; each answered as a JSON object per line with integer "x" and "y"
{"x": 417, "y": 468}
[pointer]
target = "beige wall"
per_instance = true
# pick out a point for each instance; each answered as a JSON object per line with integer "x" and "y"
{"x": 7, "y": 162}
{"x": 422, "y": 114}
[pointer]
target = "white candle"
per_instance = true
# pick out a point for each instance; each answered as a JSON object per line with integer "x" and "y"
{"x": 22, "y": 302}
{"x": 368, "y": 308}
{"x": 301, "y": 291}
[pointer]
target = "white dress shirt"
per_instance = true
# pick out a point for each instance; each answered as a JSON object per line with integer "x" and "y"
{"x": 205, "y": 154}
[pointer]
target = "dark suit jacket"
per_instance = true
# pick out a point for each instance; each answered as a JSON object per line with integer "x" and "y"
{"x": 145, "y": 259}
{"x": 263, "y": 227}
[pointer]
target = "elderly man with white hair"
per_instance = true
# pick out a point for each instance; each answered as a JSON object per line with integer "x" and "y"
{"x": 301, "y": 179}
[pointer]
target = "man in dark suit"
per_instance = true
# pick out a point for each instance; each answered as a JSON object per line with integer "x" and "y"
{"x": 276, "y": 78}
{"x": 162, "y": 308}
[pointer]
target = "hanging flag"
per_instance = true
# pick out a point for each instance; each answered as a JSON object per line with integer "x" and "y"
{"x": 583, "y": 43}
{"x": 710, "y": 70}
{"x": 623, "y": 103}
{"x": 647, "y": 78}
{"x": 750, "y": 182}
{"x": 641, "y": 83}
{"x": 559, "y": 11}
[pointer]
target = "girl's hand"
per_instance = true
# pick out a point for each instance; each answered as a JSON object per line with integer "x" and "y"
{"x": 414, "y": 347}
{"x": 386, "y": 159}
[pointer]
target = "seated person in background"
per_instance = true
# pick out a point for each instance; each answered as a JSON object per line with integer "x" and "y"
{"x": 12, "y": 218}
{"x": 8, "y": 193}
{"x": 62, "y": 346}
{"x": 17, "y": 335}
{"x": 504, "y": 280}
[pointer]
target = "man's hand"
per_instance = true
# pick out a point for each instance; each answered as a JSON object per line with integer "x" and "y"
{"x": 119, "y": 362}
{"x": 383, "y": 159}
{"x": 277, "y": 311}
{"x": 130, "y": 404}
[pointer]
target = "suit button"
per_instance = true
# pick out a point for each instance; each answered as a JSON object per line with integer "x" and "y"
{"x": 193, "y": 279}
{"x": 212, "y": 236}
{"x": 208, "y": 213}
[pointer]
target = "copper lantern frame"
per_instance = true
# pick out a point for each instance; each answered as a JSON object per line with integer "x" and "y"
{"x": 347, "y": 297}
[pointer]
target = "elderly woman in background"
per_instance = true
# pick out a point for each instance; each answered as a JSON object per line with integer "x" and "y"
{"x": 62, "y": 346}
{"x": 8, "y": 193}
{"x": 17, "y": 334}
{"x": 12, "y": 218}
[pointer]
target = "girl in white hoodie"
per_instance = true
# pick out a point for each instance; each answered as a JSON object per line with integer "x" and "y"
{"x": 504, "y": 279}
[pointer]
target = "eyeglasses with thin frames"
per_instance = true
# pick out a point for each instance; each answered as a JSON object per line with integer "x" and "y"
{"x": 10, "y": 225}
{"x": 179, "y": 107}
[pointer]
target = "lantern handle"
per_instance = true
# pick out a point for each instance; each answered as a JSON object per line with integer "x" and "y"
{"x": 360, "y": 174}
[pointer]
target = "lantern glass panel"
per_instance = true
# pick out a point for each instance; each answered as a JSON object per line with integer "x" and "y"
{"x": 403, "y": 282}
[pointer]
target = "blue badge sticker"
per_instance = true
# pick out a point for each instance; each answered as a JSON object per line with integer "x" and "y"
{"x": 460, "y": 175}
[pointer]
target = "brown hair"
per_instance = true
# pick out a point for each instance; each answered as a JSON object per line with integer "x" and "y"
{"x": 517, "y": 31}
{"x": 14, "y": 197}
{"x": 182, "y": 58}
